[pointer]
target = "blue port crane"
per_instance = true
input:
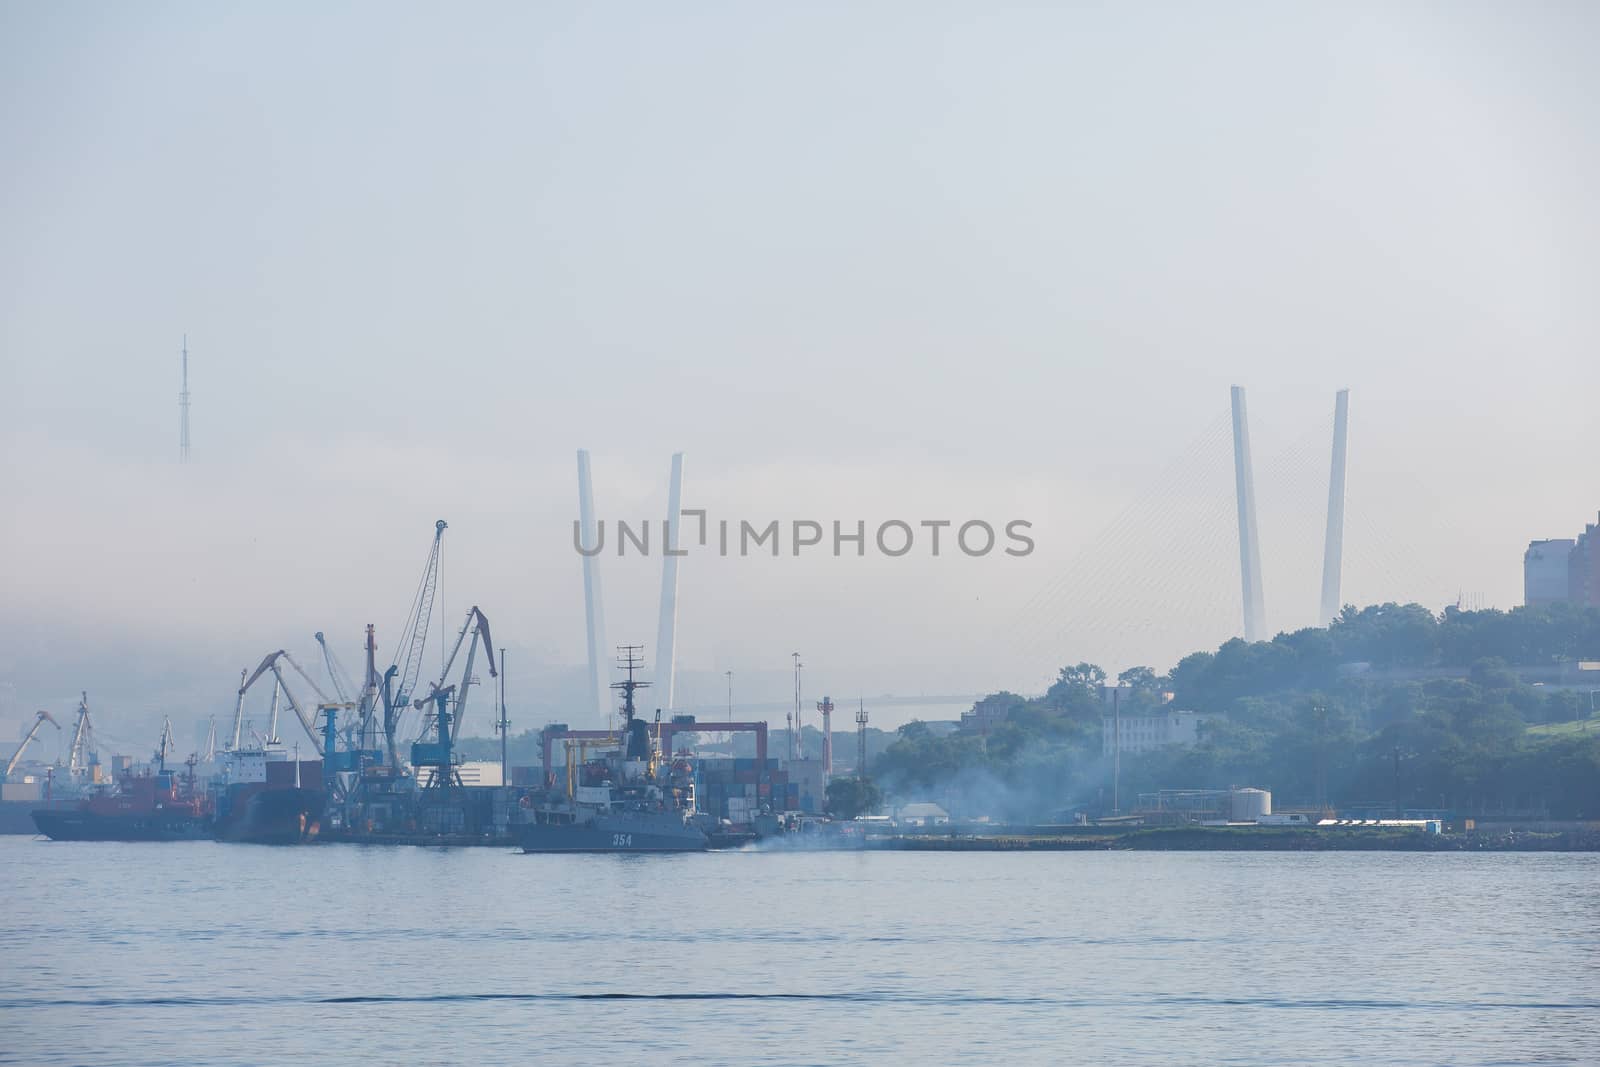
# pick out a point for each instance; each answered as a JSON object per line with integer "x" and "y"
{"x": 397, "y": 696}
{"x": 356, "y": 729}
{"x": 434, "y": 748}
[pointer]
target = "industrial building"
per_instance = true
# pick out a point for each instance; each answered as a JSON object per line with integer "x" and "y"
{"x": 923, "y": 815}
{"x": 1241, "y": 804}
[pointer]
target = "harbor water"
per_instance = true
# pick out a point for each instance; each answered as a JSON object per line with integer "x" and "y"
{"x": 204, "y": 953}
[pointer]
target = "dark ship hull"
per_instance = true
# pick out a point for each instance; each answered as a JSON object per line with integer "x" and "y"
{"x": 612, "y": 834}
{"x": 289, "y": 816}
{"x": 143, "y": 826}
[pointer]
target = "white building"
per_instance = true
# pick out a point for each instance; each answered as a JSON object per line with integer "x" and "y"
{"x": 1143, "y": 733}
{"x": 922, "y": 815}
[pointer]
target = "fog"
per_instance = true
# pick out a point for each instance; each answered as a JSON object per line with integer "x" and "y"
{"x": 909, "y": 262}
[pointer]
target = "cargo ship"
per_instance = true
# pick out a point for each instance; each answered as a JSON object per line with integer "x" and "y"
{"x": 265, "y": 801}
{"x": 163, "y": 806}
{"x": 630, "y": 798}
{"x": 262, "y": 797}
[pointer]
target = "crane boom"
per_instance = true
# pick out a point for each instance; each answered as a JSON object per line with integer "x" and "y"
{"x": 477, "y": 624}
{"x": 272, "y": 717}
{"x": 414, "y": 637}
{"x": 300, "y": 712}
{"x": 336, "y": 672}
{"x": 369, "y": 691}
{"x": 463, "y": 689}
{"x": 167, "y": 743}
{"x": 81, "y": 751}
{"x": 301, "y": 671}
{"x": 238, "y": 713}
{"x": 39, "y": 720}
{"x": 270, "y": 663}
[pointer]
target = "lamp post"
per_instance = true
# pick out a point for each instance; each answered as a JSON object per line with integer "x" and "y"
{"x": 504, "y": 725}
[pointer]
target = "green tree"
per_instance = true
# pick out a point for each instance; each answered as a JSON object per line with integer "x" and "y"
{"x": 1139, "y": 678}
{"x": 1076, "y": 690}
{"x": 850, "y": 797}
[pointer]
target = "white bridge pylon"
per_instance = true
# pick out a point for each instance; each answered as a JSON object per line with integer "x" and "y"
{"x": 1249, "y": 541}
{"x": 593, "y": 600}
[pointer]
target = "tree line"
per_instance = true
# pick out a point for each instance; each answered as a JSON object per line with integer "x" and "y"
{"x": 1389, "y": 705}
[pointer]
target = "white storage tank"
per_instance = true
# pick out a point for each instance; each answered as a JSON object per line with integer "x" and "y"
{"x": 1248, "y": 805}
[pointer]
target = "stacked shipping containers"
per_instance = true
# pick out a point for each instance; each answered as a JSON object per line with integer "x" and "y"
{"x": 737, "y": 790}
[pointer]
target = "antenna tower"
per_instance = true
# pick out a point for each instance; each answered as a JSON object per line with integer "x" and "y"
{"x": 183, "y": 407}
{"x": 861, "y": 739}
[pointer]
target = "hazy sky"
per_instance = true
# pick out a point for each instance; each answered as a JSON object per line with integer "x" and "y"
{"x": 858, "y": 261}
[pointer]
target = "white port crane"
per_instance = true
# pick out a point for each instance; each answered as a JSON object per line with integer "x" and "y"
{"x": 166, "y": 745}
{"x": 82, "y": 753}
{"x": 39, "y": 720}
{"x": 238, "y": 716}
{"x": 270, "y": 663}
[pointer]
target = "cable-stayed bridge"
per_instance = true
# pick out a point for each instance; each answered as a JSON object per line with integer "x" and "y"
{"x": 1229, "y": 541}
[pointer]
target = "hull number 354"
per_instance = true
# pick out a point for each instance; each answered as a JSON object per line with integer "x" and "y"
{"x": 621, "y": 840}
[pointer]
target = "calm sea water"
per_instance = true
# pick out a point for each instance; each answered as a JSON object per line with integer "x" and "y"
{"x": 234, "y": 954}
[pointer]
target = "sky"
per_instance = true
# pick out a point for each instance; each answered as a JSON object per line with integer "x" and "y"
{"x": 856, "y": 261}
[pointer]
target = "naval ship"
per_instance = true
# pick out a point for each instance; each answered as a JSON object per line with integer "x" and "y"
{"x": 631, "y": 797}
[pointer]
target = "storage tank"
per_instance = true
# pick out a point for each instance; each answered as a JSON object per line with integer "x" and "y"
{"x": 1247, "y": 805}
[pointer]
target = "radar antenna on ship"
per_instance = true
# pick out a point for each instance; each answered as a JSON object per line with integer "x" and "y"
{"x": 635, "y": 735}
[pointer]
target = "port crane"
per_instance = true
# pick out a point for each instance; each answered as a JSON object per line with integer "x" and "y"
{"x": 357, "y": 731}
{"x": 397, "y": 694}
{"x": 272, "y": 714}
{"x": 448, "y": 703}
{"x": 39, "y": 720}
{"x": 238, "y": 715}
{"x": 165, "y": 745}
{"x": 369, "y": 692}
{"x": 335, "y": 669}
{"x": 82, "y": 754}
{"x": 270, "y": 664}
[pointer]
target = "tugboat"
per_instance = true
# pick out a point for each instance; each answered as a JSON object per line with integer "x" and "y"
{"x": 630, "y": 798}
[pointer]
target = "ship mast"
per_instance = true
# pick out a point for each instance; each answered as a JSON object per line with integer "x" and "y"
{"x": 629, "y": 658}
